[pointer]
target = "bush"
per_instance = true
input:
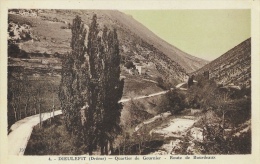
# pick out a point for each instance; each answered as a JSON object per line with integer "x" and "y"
{"x": 129, "y": 65}
{"x": 173, "y": 101}
{"x": 160, "y": 82}
{"x": 43, "y": 140}
{"x": 164, "y": 83}
{"x": 137, "y": 60}
{"x": 63, "y": 27}
{"x": 217, "y": 143}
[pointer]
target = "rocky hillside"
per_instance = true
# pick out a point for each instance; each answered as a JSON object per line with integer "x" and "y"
{"x": 50, "y": 36}
{"x": 233, "y": 67}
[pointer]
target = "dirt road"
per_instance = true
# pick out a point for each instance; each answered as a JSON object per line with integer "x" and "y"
{"x": 21, "y": 132}
{"x": 141, "y": 97}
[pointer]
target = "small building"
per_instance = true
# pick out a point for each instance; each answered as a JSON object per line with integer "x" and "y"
{"x": 139, "y": 68}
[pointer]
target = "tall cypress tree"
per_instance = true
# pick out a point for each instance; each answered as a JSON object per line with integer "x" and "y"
{"x": 94, "y": 115}
{"x": 106, "y": 86}
{"x": 113, "y": 89}
{"x": 91, "y": 87}
{"x": 74, "y": 83}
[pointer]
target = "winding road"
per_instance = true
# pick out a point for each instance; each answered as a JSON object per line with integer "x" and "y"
{"x": 20, "y": 131}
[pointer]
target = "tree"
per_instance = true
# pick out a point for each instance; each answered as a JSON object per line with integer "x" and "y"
{"x": 173, "y": 101}
{"x": 104, "y": 61}
{"x": 73, "y": 90}
{"x": 160, "y": 81}
{"x": 89, "y": 76}
{"x": 129, "y": 65}
{"x": 190, "y": 81}
{"x": 27, "y": 94}
{"x": 111, "y": 84}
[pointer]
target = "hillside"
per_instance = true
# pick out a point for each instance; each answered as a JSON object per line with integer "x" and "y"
{"x": 50, "y": 37}
{"x": 233, "y": 67}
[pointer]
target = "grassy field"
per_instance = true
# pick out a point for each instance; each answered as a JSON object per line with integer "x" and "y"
{"x": 52, "y": 37}
{"x": 49, "y": 144}
{"x": 135, "y": 85}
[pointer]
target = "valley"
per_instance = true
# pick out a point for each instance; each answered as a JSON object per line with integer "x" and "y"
{"x": 171, "y": 103}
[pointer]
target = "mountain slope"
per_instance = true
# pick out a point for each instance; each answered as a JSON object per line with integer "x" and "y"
{"x": 232, "y": 67}
{"x": 51, "y": 35}
{"x": 188, "y": 62}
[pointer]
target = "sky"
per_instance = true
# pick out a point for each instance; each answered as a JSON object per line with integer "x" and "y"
{"x": 206, "y": 34}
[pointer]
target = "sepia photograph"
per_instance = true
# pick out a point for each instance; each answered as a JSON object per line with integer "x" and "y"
{"x": 129, "y": 82}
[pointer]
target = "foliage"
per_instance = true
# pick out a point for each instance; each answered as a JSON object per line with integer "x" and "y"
{"x": 160, "y": 82}
{"x": 43, "y": 141}
{"x": 217, "y": 142}
{"x": 91, "y": 112}
{"x": 190, "y": 81}
{"x": 165, "y": 84}
{"x": 202, "y": 94}
{"x": 137, "y": 60}
{"x": 15, "y": 52}
{"x": 223, "y": 109}
{"x": 173, "y": 101}
{"x": 129, "y": 65}
{"x": 137, "y": 114}
{"x": 28, "y": 96}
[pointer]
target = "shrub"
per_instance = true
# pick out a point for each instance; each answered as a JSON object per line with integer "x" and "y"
{"x": 137, "y": 60}
{"x": 63, "y": 27}
{"x": 129, "y": 65}
{"x": 173, "y": 101}
{"x": 215, "y": 142}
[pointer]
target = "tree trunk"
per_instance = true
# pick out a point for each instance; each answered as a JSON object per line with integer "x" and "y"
{"x": 50, "y": 116}
{"x": 53, "y": 109}
{"x": 102, "y": 150}
{"x": 124, "y": 146}
{"x": 111, "y": 147}
{"x": 35, "y": 108}
{"x": 15, "y": 115}
{"x": 223, "y": 123}
{"x": 140, "y": 148}
{"x": 25, "y": 109}
{"x": 18, "y": 106}
{"x": 20, "y": 113}
{"x": 90, "y": 150}
{"x": 40, "y": 115}
{"x": 119, "y": 148}
{"x": 106, "y": 147}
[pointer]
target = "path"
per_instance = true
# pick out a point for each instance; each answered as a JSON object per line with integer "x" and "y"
{"x": 176, "y": 128}
{"x": 21, "y": 132}
{"x": 162, "y": 115}
{"x": 141, "y": 97}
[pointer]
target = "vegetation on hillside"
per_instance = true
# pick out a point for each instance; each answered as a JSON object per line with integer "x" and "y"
{"x": 233, "y": 67}
{"x": 134, "y": 44}
{"x": 28, "y": 95}
{"x": 224, "y": 119}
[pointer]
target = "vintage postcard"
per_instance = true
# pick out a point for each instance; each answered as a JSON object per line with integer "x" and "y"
{"x": 150, "y": 81}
